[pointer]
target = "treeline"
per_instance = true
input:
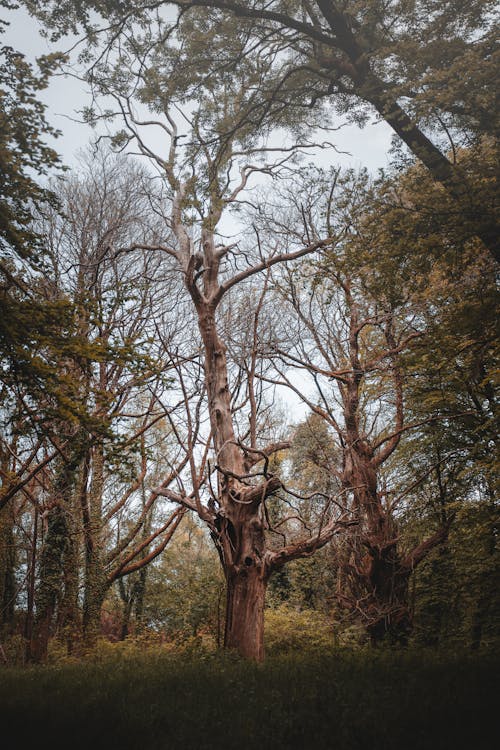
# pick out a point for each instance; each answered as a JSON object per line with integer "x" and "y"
{"x": 236, "y": 386}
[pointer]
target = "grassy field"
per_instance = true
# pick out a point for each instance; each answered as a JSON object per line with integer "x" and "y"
{"x": 326, "y": 700}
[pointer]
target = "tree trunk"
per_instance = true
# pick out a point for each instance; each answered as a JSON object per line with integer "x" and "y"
{"x": 28, "y": 625}
{"x": 388, "y": 605}
{"x": 241, "y": 543}
{"x": 7, "y": 567}
{"x": 50, "y": 585}
{"x": 50, "y": 588}
{"x": 139, "y": 596}
{"x": 96, "y": 583}
{"x": 244, "y": 631}
{"x": 68, "y": 615}
{"x": 95, "y": 593}
{"x": 378, "y": 584}
{"x": 126, "y": 591}
{"x": 487, "y": 601}
{"x": 240, "y": 539}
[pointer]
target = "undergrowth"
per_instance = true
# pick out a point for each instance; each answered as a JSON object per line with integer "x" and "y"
{"x": 326, "y": 700}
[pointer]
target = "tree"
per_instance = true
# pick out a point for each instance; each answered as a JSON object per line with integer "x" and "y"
{"x": 450, "y": 463}
{"x": 29, "y": 325}
{"x": 83, "y": 459}
{"x": 202, "y": 180}
{"x": 106, "y": 207}
{"x": 351, "y": 347}
{"x": 422, "y": 71}
{"x": 25, "y": 321}
{"x": 23, "y": 151}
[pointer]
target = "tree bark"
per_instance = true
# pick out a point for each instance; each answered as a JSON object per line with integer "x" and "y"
{"x": 378, "y": 584}
{"x": 50, "y": 589}
{"x": 96, "y": 584}
{"x": 7, "y": 567}
{"x": 239, "y": 533}
{"x": 28, "y": 625}
{"x": 389, "y": 615}
{"x": 50, "y": 585}
{"x": 244, "y": 630}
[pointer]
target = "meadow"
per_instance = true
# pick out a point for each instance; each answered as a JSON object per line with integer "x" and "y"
{"x": 342, "y": 700}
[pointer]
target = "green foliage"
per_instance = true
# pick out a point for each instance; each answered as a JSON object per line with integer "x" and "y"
{"x": 23, "y": 150}
{"x": 35, "y": 332}
{"x": 41, "y": 353}
{"x": 424, "y": 251}
{"x": 306, "y": 584}
{"x": 456, "y": 589}
{"x": 289, "y": 630}
{"x": 440, "y": 61}
{"x": 185, "y": 591}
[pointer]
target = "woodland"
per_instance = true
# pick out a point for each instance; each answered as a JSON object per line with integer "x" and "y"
{"x": 248, "y": 396}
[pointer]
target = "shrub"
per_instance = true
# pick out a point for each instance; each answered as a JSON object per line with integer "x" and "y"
{"x": 288, "y": 629}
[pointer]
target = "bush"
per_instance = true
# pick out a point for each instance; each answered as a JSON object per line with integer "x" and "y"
{"x": 288, "y": 629}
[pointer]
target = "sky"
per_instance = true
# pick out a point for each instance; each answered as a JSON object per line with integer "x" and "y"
{"x": 65, "y": 96}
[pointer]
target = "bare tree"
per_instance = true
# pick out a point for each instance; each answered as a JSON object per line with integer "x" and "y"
{"x": 347, "y": 348}
{"x": 227, "y": 479}
{"x": 66, "y": 461}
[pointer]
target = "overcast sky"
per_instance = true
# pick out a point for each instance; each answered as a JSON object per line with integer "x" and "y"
{"x": 65, "y": 96}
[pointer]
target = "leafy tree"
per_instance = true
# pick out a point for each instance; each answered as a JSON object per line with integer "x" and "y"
{"x": 185, "y": 591}
{"x": 30, "y": 326}
{"x": 450, "y": 464}
{"x": 427, "y": 71}
{"x": 23, "y": 151}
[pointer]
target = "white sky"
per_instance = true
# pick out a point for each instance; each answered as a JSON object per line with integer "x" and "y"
{"x": 65, "y": 96}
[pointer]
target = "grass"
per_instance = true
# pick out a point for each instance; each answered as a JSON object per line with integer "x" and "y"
{"x": 337, "y": 701}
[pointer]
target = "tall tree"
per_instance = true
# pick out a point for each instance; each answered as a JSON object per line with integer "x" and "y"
{"x": 114, "y": 297}
{"x": 349, "y": 345}
{"x": 202, "y": 180}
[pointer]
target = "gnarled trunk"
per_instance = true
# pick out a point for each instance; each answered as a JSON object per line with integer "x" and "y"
{"x": 244, "y": 631}
{"x": 378, "y": 588}
{"x": 240, "y": 538}
{"x": 388, "y": 609}
{"x": 241, "y": 542}
{"x": 247, "y": 573}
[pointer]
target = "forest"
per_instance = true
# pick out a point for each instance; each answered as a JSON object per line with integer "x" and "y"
{"x": 248, "y": 392}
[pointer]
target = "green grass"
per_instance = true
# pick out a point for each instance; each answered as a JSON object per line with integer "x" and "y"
{"x": 324, "y": 700}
